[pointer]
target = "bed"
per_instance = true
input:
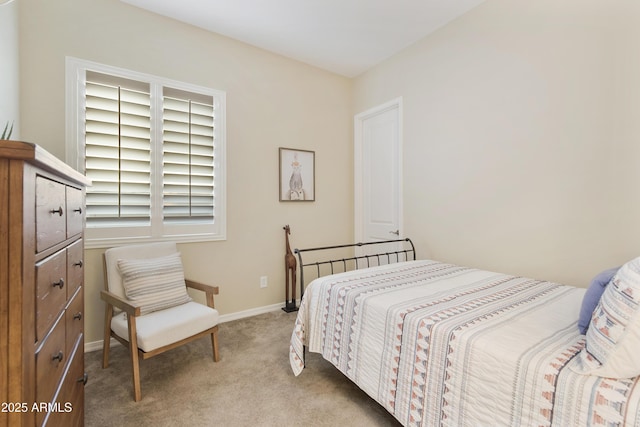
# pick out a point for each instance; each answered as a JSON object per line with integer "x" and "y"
{"x": 441, "y": 344}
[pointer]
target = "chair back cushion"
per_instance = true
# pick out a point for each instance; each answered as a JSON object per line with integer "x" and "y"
{"x": 155, "y": 283}
{"x": 150, "y": 275}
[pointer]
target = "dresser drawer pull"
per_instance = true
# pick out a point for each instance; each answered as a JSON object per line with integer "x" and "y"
{"x": 58, "y": 211}
{"x": 59, "y": 283}
{"x": 78, "y": 264}
{"x": 77, "y": 316}
{"x": 78, "y": 210}
{"x": 83, "y": 379}
{"x": 58, "y": 356}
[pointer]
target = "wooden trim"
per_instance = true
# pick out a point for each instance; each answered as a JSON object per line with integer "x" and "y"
{"x": 20, "y": 150}
{"x": 122, "y": 341}
{"x": 16, "y": 150}
{"x": 108, "y": 315}
{"x": 120, "y": 303}
{"x": 209, "y": 291}
{"x": 148, "y": 354}
{"x": 25, "y": 179}
{"x": 4, "y": 290}
{"x": 215, "y": 290}
{"x": 18, "y": 389}
{"x": 214, "y": 345}
{"x": 135, "y": 363}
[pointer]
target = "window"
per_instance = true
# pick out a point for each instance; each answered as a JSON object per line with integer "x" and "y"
{"x": 154, "y": 150}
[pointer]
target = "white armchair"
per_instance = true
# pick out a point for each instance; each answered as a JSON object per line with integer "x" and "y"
{"x": 148, "y": 309}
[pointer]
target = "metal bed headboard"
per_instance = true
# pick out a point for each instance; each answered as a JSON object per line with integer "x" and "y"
{"x": 391, "y": 256}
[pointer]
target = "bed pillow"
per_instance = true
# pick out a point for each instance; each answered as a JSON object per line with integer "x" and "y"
{"x": 154, "y": 283}
{"x": 592, "y": 297}
{"x": 613, "y": 337}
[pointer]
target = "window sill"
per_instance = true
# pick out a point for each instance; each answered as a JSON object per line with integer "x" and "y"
{"x": 103, "y": 243}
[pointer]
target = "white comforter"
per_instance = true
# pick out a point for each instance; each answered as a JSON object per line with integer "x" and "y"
{"x": 439, "y": 344}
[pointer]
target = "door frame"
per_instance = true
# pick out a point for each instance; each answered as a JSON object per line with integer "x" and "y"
{"x": 359, "y": 120}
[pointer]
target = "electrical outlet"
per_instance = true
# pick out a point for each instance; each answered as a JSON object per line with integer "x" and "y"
{"x": 263, "y": 281}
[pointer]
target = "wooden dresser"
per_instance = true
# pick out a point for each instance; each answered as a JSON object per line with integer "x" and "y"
{"x": 42, "y": 211}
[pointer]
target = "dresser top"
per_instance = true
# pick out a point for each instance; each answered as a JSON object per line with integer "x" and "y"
{"x": 33, "y": 153}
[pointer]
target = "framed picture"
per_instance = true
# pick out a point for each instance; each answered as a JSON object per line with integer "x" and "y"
{"x": 297, "y": 175}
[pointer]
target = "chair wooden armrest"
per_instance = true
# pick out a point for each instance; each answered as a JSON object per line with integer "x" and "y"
{"x": 202, "y": 287}
{"x": 120, "y": 303}
{"x": 209, "y": 290}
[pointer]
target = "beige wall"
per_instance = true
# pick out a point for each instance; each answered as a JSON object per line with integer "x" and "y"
{"x": 9, "y": 70}
{"x": 521, "y": 136}
{"x": 271, "y": 102}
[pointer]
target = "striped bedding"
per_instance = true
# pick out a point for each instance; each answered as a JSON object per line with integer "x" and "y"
{"x": 439, "y": 344}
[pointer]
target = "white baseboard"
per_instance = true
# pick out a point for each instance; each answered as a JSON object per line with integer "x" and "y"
{"x": 97, "y": 345}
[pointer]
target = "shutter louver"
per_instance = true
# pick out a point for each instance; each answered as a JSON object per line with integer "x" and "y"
{"x": 188, "y": 157}
{"x": 117, "y": 150}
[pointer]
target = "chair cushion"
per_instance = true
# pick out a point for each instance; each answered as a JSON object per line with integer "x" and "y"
{"x": 165, "y": 327}
{"x": 613, "y": 337}
{"x": 141, "y": 251}
{"x": 155, "y": 283}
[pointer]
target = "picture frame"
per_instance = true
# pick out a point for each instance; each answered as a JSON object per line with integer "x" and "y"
{"x": 297, "y": 181}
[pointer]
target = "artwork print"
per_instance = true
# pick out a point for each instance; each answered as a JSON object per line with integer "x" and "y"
{"x": 297, "y": 175}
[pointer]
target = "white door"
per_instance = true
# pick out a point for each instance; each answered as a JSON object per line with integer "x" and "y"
{"x": 378, "y": 173}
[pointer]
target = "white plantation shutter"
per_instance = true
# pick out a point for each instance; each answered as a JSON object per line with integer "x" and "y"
{"x": 155, "y": 152}
{"x": 117, "y": 150}
{"x": 188, "y": 156}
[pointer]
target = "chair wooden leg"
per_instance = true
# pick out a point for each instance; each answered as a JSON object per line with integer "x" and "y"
{"x": 107, "y": 336}
{"x": 135, "y": 363}
{"x": 214, "y": 345}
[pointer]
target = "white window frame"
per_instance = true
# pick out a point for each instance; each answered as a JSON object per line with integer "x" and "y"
{"x": 100, "y": 237}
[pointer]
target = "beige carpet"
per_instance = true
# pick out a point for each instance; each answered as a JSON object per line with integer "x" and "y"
{"x": 252, "y": 385}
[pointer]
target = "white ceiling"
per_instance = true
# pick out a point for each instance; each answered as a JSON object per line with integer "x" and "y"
{"x": 343, "y": 36}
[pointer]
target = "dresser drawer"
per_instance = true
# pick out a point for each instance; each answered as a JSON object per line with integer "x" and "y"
{"x": 75, "y": 211}
{"x": 75, "y": 267}
{"x": 51, "y": 292}
{"x": 50, "y": 363}
{"x": 50, "y": 213}
{"x": 68, "y": 407}
{"x": 74, "y": 320}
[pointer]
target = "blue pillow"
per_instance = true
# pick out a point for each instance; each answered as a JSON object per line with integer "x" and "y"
{"x": 592, "y": 297}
